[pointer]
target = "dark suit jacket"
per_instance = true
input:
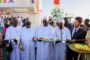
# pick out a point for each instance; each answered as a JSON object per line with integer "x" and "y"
{"x": 69, "y": 26}
{"x": 80, "y": 34}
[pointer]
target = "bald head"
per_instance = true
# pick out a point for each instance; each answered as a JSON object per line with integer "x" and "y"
{"x": 14, "y": 21}
{"x": 61, "y": 24}
{"x": 28, "y": 24}
{"x": 45, "y": 22}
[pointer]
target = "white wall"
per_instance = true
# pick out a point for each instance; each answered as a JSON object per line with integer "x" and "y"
{"x": 32, "y": 17}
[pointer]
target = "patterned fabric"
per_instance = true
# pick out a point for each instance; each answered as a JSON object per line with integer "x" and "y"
{"x": 1, "y": 54}
{"x": 5, "y": 57}
{"x": 1, "y": 29}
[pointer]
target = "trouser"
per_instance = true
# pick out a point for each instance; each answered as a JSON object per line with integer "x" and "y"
{"x": 71, "y": 55}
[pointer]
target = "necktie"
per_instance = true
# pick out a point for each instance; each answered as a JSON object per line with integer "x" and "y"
{"x": 74, "y": 34}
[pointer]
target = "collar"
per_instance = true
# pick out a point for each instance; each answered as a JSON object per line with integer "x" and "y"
{"x": 77, "y": 28}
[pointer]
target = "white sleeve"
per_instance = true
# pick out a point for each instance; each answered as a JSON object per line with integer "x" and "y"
{"x": 7, "y": 35}
{"x": 35, "y": 33}
{"x": 55, "y": 35}
{"x": 51, "y": 33}
{"x": 68, "y": 35}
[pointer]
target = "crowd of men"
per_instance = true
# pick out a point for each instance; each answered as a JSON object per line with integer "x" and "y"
{"x": 46, "y": 42}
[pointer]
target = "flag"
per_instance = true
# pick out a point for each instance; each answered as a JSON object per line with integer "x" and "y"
{"x": 56, "y": 2}
{"x": 0, "y": 1}
{"x": 3, "y": 1}
{"x": 32, "y": 1}
{"x": 11, "y": 1}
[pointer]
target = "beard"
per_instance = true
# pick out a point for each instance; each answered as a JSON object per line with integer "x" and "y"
{"x": 61, "y": 26}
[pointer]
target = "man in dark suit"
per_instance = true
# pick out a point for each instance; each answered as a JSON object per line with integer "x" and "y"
{"x": 68, "y": 25}
{"x": 78, "y": 34}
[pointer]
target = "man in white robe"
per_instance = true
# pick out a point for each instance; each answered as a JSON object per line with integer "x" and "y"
{"x": 13, "y": 35}
{"x": 88, "y": 42}
{"x": 61, "y": 33}
{"x": 27, "y": 34}
{"x": 19, "y": 20}
{"x": 44, "y": 32}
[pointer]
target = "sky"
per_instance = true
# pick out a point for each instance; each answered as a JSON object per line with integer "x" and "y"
{"x": 47, "y": 7}
{"x": 77, "y": 7}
